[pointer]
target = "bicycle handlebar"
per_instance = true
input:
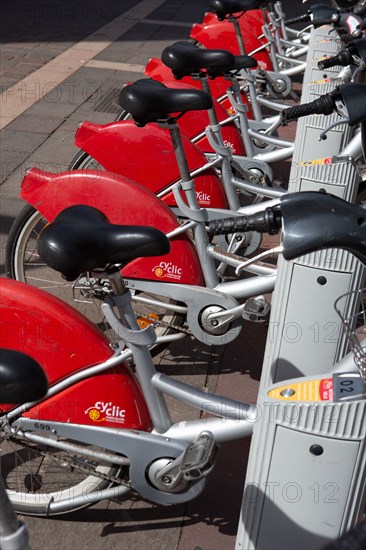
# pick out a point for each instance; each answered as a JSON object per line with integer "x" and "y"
{"x": 343, "y": 58}
{"x": 299, "y": 19}
{"x": 331, "y": 223}
{"x": 324, "y": 105}
{"x": 262, "y": 222}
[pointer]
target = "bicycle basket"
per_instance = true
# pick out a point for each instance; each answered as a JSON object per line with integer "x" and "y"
{"x": 354, "y": 326}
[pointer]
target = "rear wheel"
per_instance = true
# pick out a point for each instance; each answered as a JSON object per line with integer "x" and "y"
{"x": 24, "y": 264}
{"x": 83, "y": 161}
{"x": 37, "y": 475}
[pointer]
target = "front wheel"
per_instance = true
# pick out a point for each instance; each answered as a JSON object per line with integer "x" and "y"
{"x": 23, "y": 263}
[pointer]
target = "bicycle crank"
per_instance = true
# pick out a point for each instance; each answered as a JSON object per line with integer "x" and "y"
{"x": 196, "y": 462}
{"x": 197, "y": 300}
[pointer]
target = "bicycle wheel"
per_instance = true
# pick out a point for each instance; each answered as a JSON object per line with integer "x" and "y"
{"x": 84, "y": 161}
{"x": 36, "y": 475}
{"x": 85, "y": 294}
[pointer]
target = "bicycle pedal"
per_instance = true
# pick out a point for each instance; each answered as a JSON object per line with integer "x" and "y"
{"x": 256, "y": 310}
{"x": 199, "y": 457}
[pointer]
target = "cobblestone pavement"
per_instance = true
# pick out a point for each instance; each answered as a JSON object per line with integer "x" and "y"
{"x": 34, "y": 33}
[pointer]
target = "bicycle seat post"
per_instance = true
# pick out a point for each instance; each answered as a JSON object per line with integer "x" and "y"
{"x": 250, "y": 81}
{"x": 179, "y": 152}
{"x": 215, "y": 127}
{"x": 214, "y": 123}
{"x": 241, "y": 109}
{"x": 235, "y": 22}
{"x": 200, "y": 233}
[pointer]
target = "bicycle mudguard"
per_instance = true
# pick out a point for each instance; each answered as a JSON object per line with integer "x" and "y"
{"x": 123, "y": 202}
{"x": 251, "y": 22}
{"x": 156, "y": 70}
{"x": 120, "y": 148}
{"x": 221, "y": 35}
{"x": 64, "y": 342}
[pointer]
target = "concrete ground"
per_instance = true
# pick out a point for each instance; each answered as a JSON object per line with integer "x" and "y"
{"x": 62, "y": 63}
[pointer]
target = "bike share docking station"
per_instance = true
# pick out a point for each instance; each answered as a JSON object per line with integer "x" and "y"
{"x": 305, "y": 482}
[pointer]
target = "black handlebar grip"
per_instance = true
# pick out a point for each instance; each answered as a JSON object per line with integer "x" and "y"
{"x": 300, "y": 19}
{"x": 267, "y": 221}
{"x": 343, "y": 58}
{"x": 228, "y": 225}
{"x": 324, "y": 105}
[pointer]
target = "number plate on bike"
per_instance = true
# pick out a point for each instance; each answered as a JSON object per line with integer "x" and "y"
{"x": 348, "y": 387}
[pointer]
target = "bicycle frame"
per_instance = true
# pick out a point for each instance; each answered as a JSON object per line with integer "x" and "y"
{"x": 144, "y": 450}
{"x": 185, "y": 273}
{"x": 99, "y": 383}
{"x": 191, "y": 210}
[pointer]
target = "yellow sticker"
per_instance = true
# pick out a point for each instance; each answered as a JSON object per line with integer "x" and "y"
{"x": 310, "y": 390}
{"x": 322, "y": 81}
{"x": 316, "y": 162}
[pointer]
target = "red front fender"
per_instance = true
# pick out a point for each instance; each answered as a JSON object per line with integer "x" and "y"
{"x": 123, "y": 202}
{"x": 64, "y": 342}
{"x": 146, "y": 155}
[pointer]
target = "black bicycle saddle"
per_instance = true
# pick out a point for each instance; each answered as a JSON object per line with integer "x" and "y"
{"x": 185, "y": 58}
{"x": 82, "y": 239}
{"x": 150, "y": 101}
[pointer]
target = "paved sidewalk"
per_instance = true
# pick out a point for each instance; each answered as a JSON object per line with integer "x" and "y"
{"x": 42, "y": 136}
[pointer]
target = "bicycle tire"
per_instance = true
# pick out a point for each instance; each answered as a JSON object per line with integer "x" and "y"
{"x": 36, "y": 475}
{"x": 24, "y": 264}
{"x": 79, "y": 160}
